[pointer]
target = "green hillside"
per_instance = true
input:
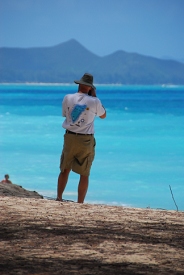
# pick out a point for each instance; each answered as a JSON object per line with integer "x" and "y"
{"x": 68, "y": 61}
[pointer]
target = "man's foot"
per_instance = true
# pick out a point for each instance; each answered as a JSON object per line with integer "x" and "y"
{"x": 58, "y": 199}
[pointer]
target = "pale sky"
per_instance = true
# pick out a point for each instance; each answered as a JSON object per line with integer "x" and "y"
{"x": 149, "y": 27}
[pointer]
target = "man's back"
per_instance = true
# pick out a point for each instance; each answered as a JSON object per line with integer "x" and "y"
{"x": 80, "y": 111}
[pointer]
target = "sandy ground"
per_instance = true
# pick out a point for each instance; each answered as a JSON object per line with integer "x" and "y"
{"x": 40, "y": 236}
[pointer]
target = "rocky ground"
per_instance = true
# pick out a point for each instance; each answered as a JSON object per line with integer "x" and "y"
{"x": 8, "y": 189}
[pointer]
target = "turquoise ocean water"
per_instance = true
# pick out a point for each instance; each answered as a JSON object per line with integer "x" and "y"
{"x": 139, "y": 152}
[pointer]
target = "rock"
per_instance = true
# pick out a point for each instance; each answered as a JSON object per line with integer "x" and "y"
{"x": 10, "y": 189}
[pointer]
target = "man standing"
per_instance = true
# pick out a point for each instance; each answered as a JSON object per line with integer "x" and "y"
{"x": 80, "y": 110}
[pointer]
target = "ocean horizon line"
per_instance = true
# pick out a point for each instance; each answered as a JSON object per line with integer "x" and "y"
{"x": 164, "y": 85}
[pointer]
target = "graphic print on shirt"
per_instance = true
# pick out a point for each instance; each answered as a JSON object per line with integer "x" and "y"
{"x": 77, "y": 111}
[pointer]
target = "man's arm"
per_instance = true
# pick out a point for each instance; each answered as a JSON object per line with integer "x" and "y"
{"x": 104, "y": 115}
{"x": 63, "y": 111}
{"x": 93, "y": 93}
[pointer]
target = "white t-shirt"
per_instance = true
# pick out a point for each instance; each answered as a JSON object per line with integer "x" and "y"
{"x": 80, "y": 111}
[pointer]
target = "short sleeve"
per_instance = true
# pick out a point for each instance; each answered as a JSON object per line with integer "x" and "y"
{"x": 100, "y": 110}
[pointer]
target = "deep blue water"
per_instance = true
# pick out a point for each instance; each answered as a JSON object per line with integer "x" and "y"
{"x": 139, "y": 152}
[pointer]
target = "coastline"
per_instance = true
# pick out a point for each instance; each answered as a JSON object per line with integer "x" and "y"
{"x": 41, "y": 236}
{"x": 163, "y": 85}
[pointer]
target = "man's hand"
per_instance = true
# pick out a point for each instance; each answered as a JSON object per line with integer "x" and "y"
{"x": 92, "y": 92}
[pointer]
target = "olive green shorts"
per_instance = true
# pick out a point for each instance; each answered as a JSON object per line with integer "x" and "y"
{"x": 78, "y": 153}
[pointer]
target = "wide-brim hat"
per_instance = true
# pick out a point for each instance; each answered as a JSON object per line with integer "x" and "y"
{"x": 87, "y": 80}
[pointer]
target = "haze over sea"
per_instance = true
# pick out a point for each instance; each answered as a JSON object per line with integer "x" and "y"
{"x": 139, "y": 151}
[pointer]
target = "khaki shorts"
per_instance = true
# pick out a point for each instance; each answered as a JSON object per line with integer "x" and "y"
{"x": 78, "y": 153}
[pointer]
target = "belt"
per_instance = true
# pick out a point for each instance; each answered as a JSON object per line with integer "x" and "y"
{"x": 73, "y": 133}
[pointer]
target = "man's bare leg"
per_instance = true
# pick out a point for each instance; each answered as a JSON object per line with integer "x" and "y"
{"x": 62, "y": 181}
{"x": 82, "y": 188}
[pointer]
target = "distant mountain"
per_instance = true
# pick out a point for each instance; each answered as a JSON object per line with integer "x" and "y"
{"x": 70, "y": 60}
{"x": 171, "y": 58}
